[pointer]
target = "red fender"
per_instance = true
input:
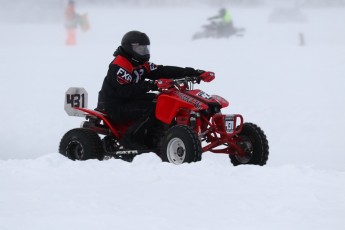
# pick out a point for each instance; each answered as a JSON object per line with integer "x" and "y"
{"x": 168, "y": 106}
{"x": 101, "y": 116}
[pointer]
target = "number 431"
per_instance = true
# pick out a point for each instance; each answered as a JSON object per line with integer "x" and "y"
{"x": 76, "y": 100}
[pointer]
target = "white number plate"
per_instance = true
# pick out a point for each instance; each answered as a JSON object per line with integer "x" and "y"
{"x": 229, "y": 125}
{"x": 75, "y": 97}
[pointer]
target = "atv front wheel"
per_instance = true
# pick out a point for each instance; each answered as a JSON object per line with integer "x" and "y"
{"x": 81, "y": 144}
{"x": 253, "y": 142}
{"x": 181, "y": 145}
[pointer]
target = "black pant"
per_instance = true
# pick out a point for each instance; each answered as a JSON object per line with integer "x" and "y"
{"x": 141, "y": 111}
{"x": 131, "y": 110}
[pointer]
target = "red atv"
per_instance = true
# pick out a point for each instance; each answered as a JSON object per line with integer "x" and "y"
{"x": 187, "y": 123}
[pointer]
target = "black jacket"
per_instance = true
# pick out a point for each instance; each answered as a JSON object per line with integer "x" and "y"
{"x": 125, "y": 80}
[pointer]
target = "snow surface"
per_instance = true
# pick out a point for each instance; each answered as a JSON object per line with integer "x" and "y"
{"x": 294, "y": 93}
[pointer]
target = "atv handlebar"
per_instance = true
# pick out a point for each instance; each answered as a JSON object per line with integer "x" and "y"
{"x": 189, "y": 79}
{"x": 165, "y": 83}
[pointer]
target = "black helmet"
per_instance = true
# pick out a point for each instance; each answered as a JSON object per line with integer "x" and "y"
{"x": 137, "y": 45}
{"x": 222, "y": 11}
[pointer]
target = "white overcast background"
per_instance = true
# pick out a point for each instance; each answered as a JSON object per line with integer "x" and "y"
{"x": 294, "y": 92}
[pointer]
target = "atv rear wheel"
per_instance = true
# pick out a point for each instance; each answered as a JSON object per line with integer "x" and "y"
{"x": 181, "y": 145}
{"x": 254, "y": 145}
{"x": 81, "y": 144}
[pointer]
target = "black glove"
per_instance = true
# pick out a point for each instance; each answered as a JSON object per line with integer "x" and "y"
{"x": 151, "y": 86}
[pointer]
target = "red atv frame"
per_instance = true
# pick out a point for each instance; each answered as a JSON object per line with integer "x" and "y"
{"x": 188, "y": 123}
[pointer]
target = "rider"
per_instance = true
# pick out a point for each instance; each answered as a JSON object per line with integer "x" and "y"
{"x": 71, "y": 22}
{"x": 124, "y": 94}
{"x": 225, "y": 16}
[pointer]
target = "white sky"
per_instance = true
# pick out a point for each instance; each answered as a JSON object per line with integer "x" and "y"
{"x": 294, "y": 93}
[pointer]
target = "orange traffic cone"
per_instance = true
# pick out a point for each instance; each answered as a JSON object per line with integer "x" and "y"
{"x": 71, "y": 37}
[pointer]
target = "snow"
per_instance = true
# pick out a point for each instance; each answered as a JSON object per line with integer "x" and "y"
{"x": 294, "y": 93}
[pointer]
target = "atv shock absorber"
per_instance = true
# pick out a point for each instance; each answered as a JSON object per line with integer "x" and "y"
{"x": 195, "y": 122}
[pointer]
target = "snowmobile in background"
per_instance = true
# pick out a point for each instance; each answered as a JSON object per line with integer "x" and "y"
{"x": 188, "y": 122}
{"x": 218, "y": 29}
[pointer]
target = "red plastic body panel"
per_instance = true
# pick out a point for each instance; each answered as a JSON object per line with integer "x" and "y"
{"x": 204, "y": 97}
{"x": 190, "y": 97}
{"x": 117, "y": 129}
{"x": 168, "y": 106}
{"x": 223, "y": 102}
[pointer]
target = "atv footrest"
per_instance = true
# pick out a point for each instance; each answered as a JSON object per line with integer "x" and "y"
{"x": 126, "y": 152}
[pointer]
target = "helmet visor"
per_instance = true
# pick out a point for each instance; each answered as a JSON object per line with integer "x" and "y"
{"x": 141, "y": 49}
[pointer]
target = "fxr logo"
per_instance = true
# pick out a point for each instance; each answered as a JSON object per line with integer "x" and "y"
{"x": 152, "y": 66}
{"x": 124, "y": 75}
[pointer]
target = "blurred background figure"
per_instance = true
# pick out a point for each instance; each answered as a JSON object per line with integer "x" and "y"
{"x": 71, "y": 23}
{"x": 225, "y": 18}
{"x": 220, "y": 26}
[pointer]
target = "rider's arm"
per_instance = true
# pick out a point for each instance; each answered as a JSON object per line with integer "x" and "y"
{"x": 160, "y": 71}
